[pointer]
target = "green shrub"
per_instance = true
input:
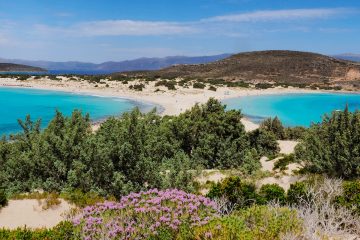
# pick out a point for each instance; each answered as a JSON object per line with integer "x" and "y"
{"x": 282, "y": 163}
{"x": 351, "y": 196}
{"x": 272, "y": 192}
{"x": 212, "y": 88}
{"x": 275, "y": 126}
{"x": 62, "y": 231}
{"x": 264, "y": 142}
{"x": 137, "y": 87}
{"x": 295, "y": 133}
{"x": 237, "y": 192}
{"x": 263, "y": 85}
{"x": 297, "y": 192}
{"x": 199, "y": 85}
{"x": 257, "y": 222}
{"x": 3, "y": 198}
{"x": 169, "y": 84}
{"x": 82, "y": 199}
{"x": 332, "y": 146}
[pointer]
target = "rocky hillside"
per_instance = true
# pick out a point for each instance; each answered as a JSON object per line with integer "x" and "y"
{"x": 267, "y": 66}
{"x": 10, "y": 67}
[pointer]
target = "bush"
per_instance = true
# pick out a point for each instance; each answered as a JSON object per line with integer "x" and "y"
{"x": 263, "y": 85}
{"x": 82, "y": 199}
{"x": 351, "y": 196}
{"x": 295, "y": 133}
{"x": 199, "y": 85}
{"x": 169, "y": 84}
{"x": 272, "y": 192}
{"x": 264, "y": 142}
{"x": 137, "y": 87}
{"x": 297, "y": 192}
{"x": 62, "y": 231}
{"x": 257, "y": 222}
{"x": 332, "y": 146}
{"x": 238, "y": 193}
{"x": 282, "y": 163}
{"x": 212, "y": 88}
{"x": 3, "y": 198}
{"x": 275, "y": 126}
{"x": 145, "y": 215}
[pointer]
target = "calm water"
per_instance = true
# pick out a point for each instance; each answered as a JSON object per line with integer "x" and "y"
{"x": 293, "y": 109}
{"x": 17, "y": 103}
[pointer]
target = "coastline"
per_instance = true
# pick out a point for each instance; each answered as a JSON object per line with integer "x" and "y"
{"x": 169, "y": 102}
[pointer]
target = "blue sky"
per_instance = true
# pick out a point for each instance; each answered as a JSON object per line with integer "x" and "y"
{"x": 97, "y": 31}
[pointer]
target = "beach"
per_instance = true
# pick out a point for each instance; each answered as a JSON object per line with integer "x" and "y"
{"x": 171, "y": 102}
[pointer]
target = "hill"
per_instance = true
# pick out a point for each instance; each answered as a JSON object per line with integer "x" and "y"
{"x": 11, "y": 67}
{"x": 264, "y": 66}
{"x": 349, "y": 57}
{"x": 112, "y": 66}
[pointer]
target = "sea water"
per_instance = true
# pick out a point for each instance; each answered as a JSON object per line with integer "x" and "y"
{"x": 16, "y": 103}
{"x": 293, "y": 109}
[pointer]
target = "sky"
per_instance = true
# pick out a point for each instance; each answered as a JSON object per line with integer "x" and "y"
{"x": 114, "y": 30}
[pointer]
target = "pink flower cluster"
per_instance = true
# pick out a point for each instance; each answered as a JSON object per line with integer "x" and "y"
{"x": 143, "y": 214}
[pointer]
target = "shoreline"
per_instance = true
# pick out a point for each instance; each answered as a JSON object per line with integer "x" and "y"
{"x": 170, "y": 102}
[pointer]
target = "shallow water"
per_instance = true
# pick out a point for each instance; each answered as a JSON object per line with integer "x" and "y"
{"x": 293, "y": 109}
{"x": 16, "y": 103}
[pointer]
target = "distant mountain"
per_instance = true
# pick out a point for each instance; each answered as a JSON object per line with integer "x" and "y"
{"x": 10, "y": 67}
{"x": 264, "y": 66}
{"x": 349, "y": 57}
{"x": 122, "y": 66}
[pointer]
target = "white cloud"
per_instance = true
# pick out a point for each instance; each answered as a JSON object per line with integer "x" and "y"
{"x": 120, "y": 28}
{"x": 287, "y": 14}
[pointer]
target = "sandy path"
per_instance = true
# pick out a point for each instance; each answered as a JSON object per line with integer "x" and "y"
{"x": 27, "y": 212}
{"x": 287, "y": 146}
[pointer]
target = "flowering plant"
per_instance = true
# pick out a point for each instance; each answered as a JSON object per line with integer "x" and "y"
{"x": 144, "y": 214}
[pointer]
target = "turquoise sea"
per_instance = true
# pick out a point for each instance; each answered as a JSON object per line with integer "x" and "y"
{"x": 16, "y": 103}
{"x": 293, "y": 109}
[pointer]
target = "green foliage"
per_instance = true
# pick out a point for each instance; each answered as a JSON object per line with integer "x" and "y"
{"x": 256, "y": 222}
{"x": 132, "y": 153}
{"x": 297, "y": 192}
{"x": 295, "y": 133}
{"x": 63, "y": 231}
{"x": 212, "y": 88}
{"x": 283, "y": 162}
{"x": 351, "y": 196}
{"x": 137, "y": 87}
{"x": 3, "y": 198}
{"x": 272, "y": 192}
{"x": 275, "y": 126}
{"x": 263, "y": 85}
{"x": 242, "y": 194}
{"x": 332, "y": 146}
{"x": 169, "y": 84}
{"x": 82, "y": 199}
{"x": 199, "y": 85}
{"x": 264, "y": 142}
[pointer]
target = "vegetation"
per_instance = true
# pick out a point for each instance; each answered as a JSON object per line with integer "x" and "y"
{"x": 137, "y": 87}
{"x": 332, "y": 146}
{"x": 283, "y": 162}
{"x": 199, "y": 85}
{"x": 275, "y": 126}
{"x": 3, "y": 198}
{"x": 133, "y": 153}
{"x": 169, "y": 84}
{"x": 63, "y": 231}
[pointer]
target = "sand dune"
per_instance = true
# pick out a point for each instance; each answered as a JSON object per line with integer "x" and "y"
{"x": 28, "y": 212}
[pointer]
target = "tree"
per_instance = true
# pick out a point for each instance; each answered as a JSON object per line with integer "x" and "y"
{"x": 333, "y": 146}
